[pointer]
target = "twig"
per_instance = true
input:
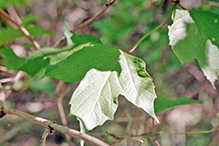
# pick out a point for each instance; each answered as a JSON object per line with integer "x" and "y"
{"x": 173, "y": 132}
{"x": 24, "y": 31}
{"x": 94, "y": 17}
{"x": 49, "y": 130}
{"x": 61, "y": 109}
{"x": 211, "y": 3}
{"x": 55, "y": 19}
{"x": 152, "y": 127}
{"x": 156, "y": 142}
{"x": 44, "y": 122}
{"x": 204, "y": 87}
{"x": 146, "y": 35}
{"x": 86, "y": 23}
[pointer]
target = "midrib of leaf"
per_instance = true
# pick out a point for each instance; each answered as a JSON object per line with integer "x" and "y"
{"x": 102, "y": 91}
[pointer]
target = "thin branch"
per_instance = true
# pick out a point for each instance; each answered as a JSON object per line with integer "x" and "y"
{"x": 211, "y": 3}
{"x": 23, "y": 30}
{"x": 156, "y": 142}
{"x": 45, "y": 134}
{"x": 61, "y": 109}
{"x": 156, "y": 28}
{"x": 44, "y": 122}
{"x": 94, "y": 17}
{"x": 173, "y": 132}
{"x": 204, "y": 87}
{"x": 55, "y": 19}
{"x": 152, "y": 127}
{"x": 86, "y": 23}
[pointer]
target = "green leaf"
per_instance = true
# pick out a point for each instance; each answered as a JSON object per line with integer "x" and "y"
{"x": 71, "y": 63}
{"x": 10, "y": 34}
{"x": 163, "y": 103}
{"x": 217, "y": 116}
{"x": 95, "y": 99}
{"x": 193, "y": 35}
{"x": 75, "y": 66}
{"x": 11, "y": 60}
{"x": 5, "y": 3}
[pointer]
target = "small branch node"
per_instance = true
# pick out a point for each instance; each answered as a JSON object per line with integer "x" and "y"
{"x": 2, "y": 114}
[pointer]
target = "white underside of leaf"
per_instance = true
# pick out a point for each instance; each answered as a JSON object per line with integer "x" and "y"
{"x": 138, "y": 90}
{"x": 94, "y": 99}
{"x": 211, "y": 69}
{"x": 177, "y": 31}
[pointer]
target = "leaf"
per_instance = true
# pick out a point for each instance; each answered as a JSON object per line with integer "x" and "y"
{"x": 75, "y": 66}
{"x": 196, "y": 37}
{"x": 11, "y": 60}
{"x": 5, "y": 3}
{"x": 217, "y": 116}
{"x": 163, "y": 103}
{"x": 95, "y": 99}
{"x": 138, "y": 89}
{"x": 71, "y": 63}
{"x": 8, "y": 37}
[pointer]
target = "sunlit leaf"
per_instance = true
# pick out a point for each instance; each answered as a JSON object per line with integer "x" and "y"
{"x": 95, "y": 99}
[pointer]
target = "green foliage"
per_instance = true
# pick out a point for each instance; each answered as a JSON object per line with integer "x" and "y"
{"x": 4, "y": 3}
{"x": 193, "y": 35}
{"x": 163, "y": 103}
{"x": 11, "y": 60}
{"x": 71, "y": 62}
{"x": 217, "y": 116}
{"x": 10, "y": 34}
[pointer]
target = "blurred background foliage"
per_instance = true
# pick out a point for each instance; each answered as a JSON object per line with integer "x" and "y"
{"x": 121, "y": 26}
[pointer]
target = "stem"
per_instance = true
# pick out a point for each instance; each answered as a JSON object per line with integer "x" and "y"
{"x": 94, "y": 17}
{"x": 55, "y": 19}
{"x": 61, "y": 109}
{"x": 43, "y": 139}
{"x": 172, "y": 132}
{"x": 23, "y": 30}
{"x": 156, "y": 142}
{"x": 146, "y": 35}
{"x": 46, "y": 123}
{"x": 211, "y": 3}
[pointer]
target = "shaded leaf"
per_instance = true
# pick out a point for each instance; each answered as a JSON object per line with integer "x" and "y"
{"x": 5, "y": 3}
{"x": 11, "y": 60}
{"x": 10, "y": 34}
{"x": 163, "y": 103}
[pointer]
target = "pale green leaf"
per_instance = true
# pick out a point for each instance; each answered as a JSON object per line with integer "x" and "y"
{"x": 137, "y": 89}
{"x": 95, "y": 99}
